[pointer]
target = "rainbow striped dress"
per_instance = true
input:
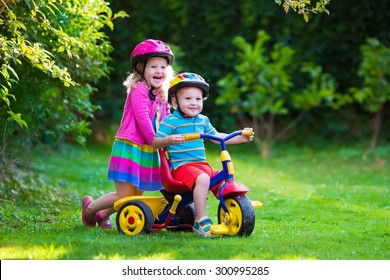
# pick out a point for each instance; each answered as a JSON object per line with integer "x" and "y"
{"x": 136, "y": 164}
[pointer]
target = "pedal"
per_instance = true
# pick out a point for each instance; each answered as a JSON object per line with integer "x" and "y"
{"x": 257, "y": 204}
{"x": 219, "y": 229}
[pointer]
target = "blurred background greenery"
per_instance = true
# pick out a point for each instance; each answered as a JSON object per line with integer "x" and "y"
{"x": 202, "y": 36}
{"x": 311, "y": 81}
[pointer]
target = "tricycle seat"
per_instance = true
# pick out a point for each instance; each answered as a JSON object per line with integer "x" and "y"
{"x": 168, "y": 181}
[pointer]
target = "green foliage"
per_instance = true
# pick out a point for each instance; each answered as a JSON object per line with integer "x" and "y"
{"x": 304, "y": 7}
{"x": 52, "y": 53}
{"x": 262, "y": 86}
{"x": 320, "y": 90}
{"x": 261, "y": 80}
{"x": 375, "y": 71}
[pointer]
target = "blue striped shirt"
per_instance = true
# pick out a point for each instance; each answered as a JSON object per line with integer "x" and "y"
{"x": 190, "y": 151}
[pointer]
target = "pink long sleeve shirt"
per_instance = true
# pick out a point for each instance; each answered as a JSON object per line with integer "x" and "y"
{"x": 139, "y": 111}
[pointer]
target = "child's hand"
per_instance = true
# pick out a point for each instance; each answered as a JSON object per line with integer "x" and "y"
{"x": 175, "y": 139}
{"x": 248, "y": 134}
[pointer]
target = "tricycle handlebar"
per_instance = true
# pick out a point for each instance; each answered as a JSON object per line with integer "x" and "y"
{"x": 196, "y": 136}
{"x": 191, "y": 136}
{"x": 247, "y": 132}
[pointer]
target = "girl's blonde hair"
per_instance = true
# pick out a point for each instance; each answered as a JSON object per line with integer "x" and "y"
{"x": 134, "y": 78}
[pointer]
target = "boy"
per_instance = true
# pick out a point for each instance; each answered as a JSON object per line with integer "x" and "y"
{"x": 187, "y": 92}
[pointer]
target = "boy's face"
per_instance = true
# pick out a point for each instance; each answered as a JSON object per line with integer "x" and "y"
{"x": 190, "y": 100}
{"x": 156, "y": 71}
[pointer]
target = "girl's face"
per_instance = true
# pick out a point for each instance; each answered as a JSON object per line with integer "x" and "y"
{"x": 190, "y": 100}
{"x": 156, "y": 71}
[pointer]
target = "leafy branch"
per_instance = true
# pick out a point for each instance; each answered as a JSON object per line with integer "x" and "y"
{"x": 304, "y": 7}
{"x": 63, "y": 41}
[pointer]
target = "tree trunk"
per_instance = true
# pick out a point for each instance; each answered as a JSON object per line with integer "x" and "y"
{"x": 377, "y": 128}
{"x": 264, "y": 147}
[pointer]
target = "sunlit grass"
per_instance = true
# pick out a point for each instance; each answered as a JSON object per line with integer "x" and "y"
{"x": 32, "y": 252}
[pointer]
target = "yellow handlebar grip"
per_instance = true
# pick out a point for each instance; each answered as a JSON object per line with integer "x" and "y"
{"x": 191, "y": 136}
{"x": 247, "y": 132}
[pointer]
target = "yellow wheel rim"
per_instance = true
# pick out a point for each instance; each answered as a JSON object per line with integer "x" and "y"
{"x": 131, "y": 220}
{"x": 234, "y": 220}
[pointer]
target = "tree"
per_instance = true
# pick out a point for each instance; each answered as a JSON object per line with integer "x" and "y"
{"x": 375, "y": 92}
{"x": 262, "y": 87}
{"x": 52, "y": 53}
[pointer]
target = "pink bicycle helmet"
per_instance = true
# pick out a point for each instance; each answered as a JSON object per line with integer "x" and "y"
{"x": 188, "y": 79}
{"x": 150, "y": 48}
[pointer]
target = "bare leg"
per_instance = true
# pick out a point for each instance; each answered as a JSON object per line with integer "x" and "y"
{"x": 201, "y": 190}
{"x": 105, "y": 203}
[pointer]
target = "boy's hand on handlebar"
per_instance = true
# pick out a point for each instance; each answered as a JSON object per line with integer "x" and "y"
{"x": 248, "y": 134}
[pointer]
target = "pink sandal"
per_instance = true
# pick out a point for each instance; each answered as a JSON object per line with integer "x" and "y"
{"x": 103, "y": 222}
{"x": 88, "y": 221}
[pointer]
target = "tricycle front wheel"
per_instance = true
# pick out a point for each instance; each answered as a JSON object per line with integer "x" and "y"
{"x": 241, "y": 218}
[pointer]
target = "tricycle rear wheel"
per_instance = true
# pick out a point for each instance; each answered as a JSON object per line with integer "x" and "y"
{"x": 241, "y": 219}
{"x": 134, "y": 217}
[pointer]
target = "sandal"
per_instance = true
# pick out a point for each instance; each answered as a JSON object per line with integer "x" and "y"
{"x": 203, "y": 227}
{"x": 103, "y": 222}
{"x": 87, "y": 220}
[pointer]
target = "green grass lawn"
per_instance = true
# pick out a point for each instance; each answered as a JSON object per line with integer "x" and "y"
{"x": 330, "y": 203}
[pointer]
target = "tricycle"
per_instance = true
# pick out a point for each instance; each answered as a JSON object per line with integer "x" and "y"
{"x": 174, "y": 209}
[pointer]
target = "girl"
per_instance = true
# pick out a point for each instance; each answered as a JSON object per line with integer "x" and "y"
{"x": 134, "y": 163}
